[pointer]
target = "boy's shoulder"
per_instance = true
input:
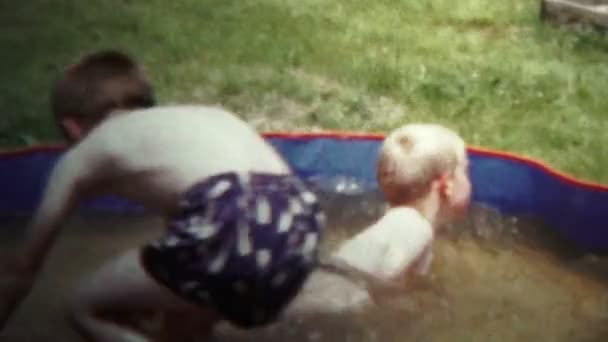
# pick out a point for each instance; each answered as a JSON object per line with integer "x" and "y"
{"x": 401, "y": 226}
{"x": 180, "y": 136}
{"x": 402, "y": 221}
{"x": 175, "y": 120}
{"x": 397, "y": 238}
{"x": 174, "y": 113}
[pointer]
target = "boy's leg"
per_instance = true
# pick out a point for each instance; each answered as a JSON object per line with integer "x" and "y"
{"x": 121, "y": 287}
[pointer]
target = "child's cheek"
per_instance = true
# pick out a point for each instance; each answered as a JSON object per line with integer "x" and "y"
{"x": 462, "y": 200}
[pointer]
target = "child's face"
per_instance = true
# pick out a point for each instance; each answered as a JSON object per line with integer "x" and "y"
{"x": 460, "y": 194}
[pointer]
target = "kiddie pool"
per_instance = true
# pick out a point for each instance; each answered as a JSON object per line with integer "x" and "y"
{"x": 512, "y": 184}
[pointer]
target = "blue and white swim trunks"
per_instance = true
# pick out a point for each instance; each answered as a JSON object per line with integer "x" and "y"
{"x": 241, "y": 244}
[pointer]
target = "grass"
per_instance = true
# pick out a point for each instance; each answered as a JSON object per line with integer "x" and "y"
{"x": 486, "y": 68}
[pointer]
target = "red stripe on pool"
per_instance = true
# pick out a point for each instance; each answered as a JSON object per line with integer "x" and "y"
{"x": 345, "y": 135}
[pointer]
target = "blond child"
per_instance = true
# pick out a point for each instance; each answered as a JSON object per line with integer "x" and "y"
{"x": 242, "y": 230}
{"x": 422, "y": 171}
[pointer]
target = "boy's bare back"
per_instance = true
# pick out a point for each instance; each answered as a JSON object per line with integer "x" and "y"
{"x": 153, "y": 155}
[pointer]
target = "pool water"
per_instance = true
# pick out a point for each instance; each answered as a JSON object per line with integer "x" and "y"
{"x": 501, "y": 279}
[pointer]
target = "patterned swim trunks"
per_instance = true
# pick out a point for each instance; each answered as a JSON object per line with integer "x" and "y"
{"x": 241, "y": 244}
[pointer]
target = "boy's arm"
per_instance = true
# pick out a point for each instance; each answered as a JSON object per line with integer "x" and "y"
{"x": 336, "y": 265}
{"x": 76, "y": 172}
{"x": 423, "y": 263}
{"x": 67, "y": 183}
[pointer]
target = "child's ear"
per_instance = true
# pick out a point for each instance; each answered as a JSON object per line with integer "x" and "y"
{"x": 72, "y": 128}
{"x": 446, "y": 186}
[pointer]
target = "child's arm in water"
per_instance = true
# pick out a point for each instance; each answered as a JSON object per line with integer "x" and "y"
{"x": 366, "y": 279}
{"x": 79, "y": 170}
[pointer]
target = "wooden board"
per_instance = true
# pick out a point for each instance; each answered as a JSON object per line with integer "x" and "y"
{"x": 566, "y": 12}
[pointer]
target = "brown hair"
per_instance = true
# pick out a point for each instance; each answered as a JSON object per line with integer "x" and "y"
{"x": 98, "y": 84}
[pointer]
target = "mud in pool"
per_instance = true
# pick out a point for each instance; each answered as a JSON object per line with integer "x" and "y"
{"x": 502, "y": 279}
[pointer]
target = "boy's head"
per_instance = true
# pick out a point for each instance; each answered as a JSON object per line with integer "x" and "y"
{"x": 98, "y": 84}
{"x": 418, "y": 159}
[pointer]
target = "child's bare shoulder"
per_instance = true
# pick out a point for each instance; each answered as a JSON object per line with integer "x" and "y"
{"x": 404, "y": 228}
{"x": 179, "y": 144}
{"x": 405, "y": 220}
{"x": 167, "y": 117}
{"x": 164, "y": 126}
{"x": 401, "y": 227}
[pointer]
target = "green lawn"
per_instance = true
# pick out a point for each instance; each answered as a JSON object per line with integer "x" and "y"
{"x": 487, "y": 68}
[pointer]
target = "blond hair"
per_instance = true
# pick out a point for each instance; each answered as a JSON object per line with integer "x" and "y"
{"x": 414, "y": 155}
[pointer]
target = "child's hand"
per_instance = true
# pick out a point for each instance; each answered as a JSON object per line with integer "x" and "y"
{"x": 15, "y": 285}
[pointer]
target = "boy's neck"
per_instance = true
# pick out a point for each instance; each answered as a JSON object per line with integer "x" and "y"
{"x": 427, "y": 206}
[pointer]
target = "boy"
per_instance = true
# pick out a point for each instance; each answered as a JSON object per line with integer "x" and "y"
{"x": 242, "y": 231}
{"x": 422, "y": 172}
